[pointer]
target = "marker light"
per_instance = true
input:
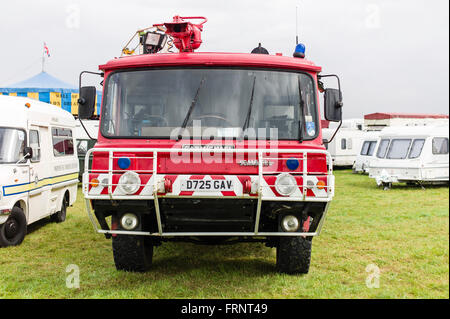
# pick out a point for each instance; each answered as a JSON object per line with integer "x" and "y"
{"x": 124, "y": 162}
{"x": 320, "y": 185}
{"x": 292, "y": 164}
{"x": 94, "y": 182}
{"x": 299, "y": 51}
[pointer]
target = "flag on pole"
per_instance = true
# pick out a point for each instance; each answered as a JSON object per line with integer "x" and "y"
{"x": 46, "y": 50}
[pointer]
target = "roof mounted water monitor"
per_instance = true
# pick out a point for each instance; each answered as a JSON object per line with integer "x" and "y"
{"x": 332, "y": 103}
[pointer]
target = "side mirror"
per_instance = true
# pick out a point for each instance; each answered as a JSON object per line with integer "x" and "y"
{"x": 28, "y": 151}
{"x": 333, "y": 105}
{"x": 86, "y": 102}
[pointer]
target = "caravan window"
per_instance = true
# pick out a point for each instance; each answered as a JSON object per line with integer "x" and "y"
{"x": 343, "y": 144}
{"x": 440, "y": 145}
{"x": 372, "y": 146}
{"x": 381, "y": 153}
{"x": 365, "y": 148}
{"x": 368, "y": 148}
{"x": 399, "y": 149}
{"x": 416, "y": 148}
{"x": 34, "y": 144}
{"x": 62, "y": 141}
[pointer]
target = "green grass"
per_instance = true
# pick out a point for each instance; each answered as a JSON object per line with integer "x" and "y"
{"x": 404, "y": 231}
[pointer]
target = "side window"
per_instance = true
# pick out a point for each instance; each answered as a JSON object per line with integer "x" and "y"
{"x": 365, "y": 148}
{"x": 440, "y": 145}
{"x": 343, "y": 144}
{"x": 381, "y": 153}
{"x": 35, "y": 145}
{"x": 62, "y": 141}
{"x": 349, "y": 143}
{"x": 416, "y": 148}
{"x": 371, "y": 148}
{"x": 82, "y": 146}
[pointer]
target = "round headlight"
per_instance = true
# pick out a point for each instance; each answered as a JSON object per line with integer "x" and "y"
{"x": 129, "y": 182}
{"x": 285, "y": 184}
{"x": 290, "y": 223}
{"x": 129, "y": 221}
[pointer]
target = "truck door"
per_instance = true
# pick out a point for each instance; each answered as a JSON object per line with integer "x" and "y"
{"x": 40, "y": 182}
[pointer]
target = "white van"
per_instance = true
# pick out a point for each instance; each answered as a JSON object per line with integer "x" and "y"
{"x": 38, "y": 165}
{"x": 367, "y": 153}
{"x": 347, "y": 142}
{"x": 411, "y": 154}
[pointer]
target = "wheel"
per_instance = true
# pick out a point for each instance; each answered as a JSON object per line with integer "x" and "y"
{"x": 60, "y": 216}
{"x": 13, "y": 231}
{"x": 294, "y": 255}
{"x": 132, "y": 253}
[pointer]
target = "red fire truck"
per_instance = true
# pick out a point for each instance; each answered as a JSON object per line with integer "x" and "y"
{"x": 210, "y": 148}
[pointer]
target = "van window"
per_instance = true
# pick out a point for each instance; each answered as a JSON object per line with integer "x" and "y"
{"x": 398, "y": 149}
{"x": 416, "y": 148}
{"x": 343, "y": 144}
{"x": 12, "y": 144}
{"x": 381, "y": 153}
{"x": 440, "y": 145}
{"x": 62, "y": 141}
{"x": 35, "y": 145}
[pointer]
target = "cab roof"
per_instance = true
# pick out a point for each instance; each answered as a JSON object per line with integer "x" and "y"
{"x": 210, "y": 60}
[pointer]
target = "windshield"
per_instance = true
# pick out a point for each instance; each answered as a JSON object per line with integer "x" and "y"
{"x": 12, "y": 143}
{"x": 209, "y": 103}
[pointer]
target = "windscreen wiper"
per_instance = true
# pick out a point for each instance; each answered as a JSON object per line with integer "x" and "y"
{"x": 302, "y": 113}
{"x": 194, "y": 102}
{"x": 249, "y": 112}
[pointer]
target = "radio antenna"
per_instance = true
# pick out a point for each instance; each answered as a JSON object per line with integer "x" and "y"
{"x": 296, "y": 25}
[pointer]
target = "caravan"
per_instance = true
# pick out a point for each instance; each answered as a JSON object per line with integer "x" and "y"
{"x": 38, "y": 165}
{"x": 367, "y": 153}
{"x": 346, "y": 144}
{"x": 411, "y": 155}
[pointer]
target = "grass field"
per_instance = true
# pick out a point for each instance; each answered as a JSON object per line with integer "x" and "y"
{"x": 404, "y": 232}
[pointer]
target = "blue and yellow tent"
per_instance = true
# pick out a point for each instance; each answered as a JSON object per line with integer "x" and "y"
{"x": 46, "y": 88}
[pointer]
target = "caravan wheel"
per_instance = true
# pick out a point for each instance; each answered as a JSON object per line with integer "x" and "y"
{"x": 13, "y": 231}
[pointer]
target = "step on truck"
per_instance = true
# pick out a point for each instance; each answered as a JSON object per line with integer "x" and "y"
{"x": 209, "y": 148}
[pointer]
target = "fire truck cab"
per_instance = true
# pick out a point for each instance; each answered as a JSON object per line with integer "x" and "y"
{"x": 210, "y": 148}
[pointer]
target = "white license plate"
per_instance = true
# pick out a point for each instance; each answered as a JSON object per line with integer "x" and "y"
{"x": 200, "y": 185}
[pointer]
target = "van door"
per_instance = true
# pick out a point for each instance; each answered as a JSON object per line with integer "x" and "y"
{"x": 39, "y": 179}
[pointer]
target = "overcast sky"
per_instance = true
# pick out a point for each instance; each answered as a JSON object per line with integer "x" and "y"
{"x": 392, "y": 56}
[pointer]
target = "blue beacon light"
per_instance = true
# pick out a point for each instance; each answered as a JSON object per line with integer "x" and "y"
{"x": 124, "y": 162}
{"x": 300, "y": 51}
{"x": 292, "y": 164}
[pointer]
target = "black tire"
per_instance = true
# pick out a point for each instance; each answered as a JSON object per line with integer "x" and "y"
{"x": 60, "y": 216}
{"x": 13, "y": 231}
{"x": 132, "y": 253}
{"x": 294, "y": 255}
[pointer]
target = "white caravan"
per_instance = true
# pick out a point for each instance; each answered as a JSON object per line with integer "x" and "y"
{"x": 411, "y": 155}
{"x": 347, "y": 143}
{"x": 367, "y": 153}
{"x": 38, "y": 165}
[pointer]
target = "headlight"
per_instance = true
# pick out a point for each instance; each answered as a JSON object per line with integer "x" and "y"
{"x": 129, "y": 182}
{"x": 285, "y": 184}
{"x": 290, "y": 223}
{"x": 129, "y": 221}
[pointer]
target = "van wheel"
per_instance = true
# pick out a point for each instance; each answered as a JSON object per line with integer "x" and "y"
{"x": 13, "y": 231}
{"x": 60, "y": 216}
{"x": 132, "y": 253}
{"x": 293, "y": 255}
